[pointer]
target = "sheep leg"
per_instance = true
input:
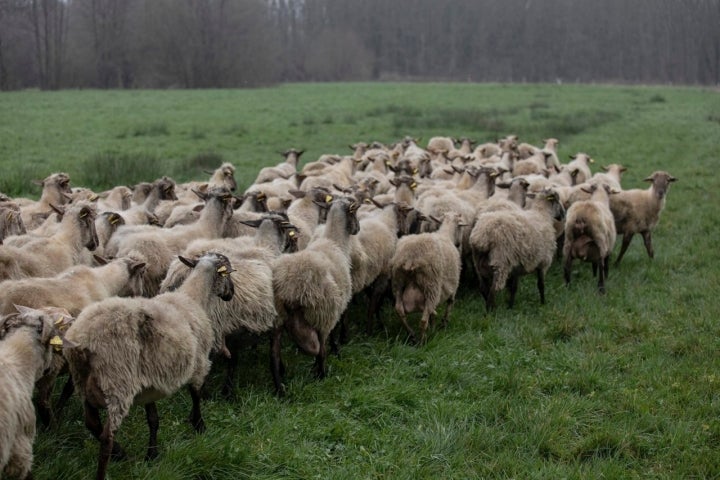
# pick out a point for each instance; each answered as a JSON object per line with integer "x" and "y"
{"x": 601, "y": 281}
{"x": 594, "y": 268}
{"x": 377, "y": 294}
{"x": 400, "y": 309}
{"x": 541, "y": 285}
{"x": 65, "y": 395}
{"x": 94, "y": 424}
{"x": 627, "y": 237}
{"x": 424, "y": 321}
{"x": 647, "y": 239}
{"x": 44, "y": 391}
{"x": 567, "y": 268}
{"x": 606, "y": 265}
{"x": 153, "y": 421}
{"x": 276, "y": 365}
{"x": 448, "y": 309}
{"x": 230, "y": 374}
{"x": 320, "y": 369}
{"x": 106, "y": 447}
{"x": 196, "y": 419}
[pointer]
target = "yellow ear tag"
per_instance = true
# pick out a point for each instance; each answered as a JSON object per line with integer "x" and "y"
{"x": 94, "y": 197}
{"x": 291, "y": 233}
{"x": 222, "y": 270}
{"x": 415, "y": 170}
{"x": 114, "y": 220}
{"x": 413, "y": 185}
{"x": 57, "y": 343}
{"x": 59, "y": 321}
{"x": 367, "y": 200}
{"x": 328, "y": 198}
{"x": 83, "y": 215}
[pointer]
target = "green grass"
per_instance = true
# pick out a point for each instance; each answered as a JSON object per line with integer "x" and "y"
{"x": 624, "y": 385}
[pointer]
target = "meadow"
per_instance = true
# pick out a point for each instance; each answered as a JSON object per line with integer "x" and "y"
{"x": 623, "y": 385}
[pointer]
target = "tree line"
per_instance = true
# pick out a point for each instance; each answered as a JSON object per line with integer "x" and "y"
{"x": 53, "y": 44}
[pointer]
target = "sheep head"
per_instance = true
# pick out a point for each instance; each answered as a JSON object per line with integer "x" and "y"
{"x": 218, "y": 266}
{"x": 660, "y": 182}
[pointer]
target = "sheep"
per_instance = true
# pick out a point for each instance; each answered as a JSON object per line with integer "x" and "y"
{"x": 106, "y": 224}
{"x": 440, "y": 144}
{"x": 283, "y": 170}
{"x": 160, "y": 245}
{"x": 72, "y": 290}
{"x": 507, "y": 244}
{"x": 55, "y": 191}
{"x": 117, "y": 198}
{"x": 580, "y": 162}
{"x": 371, "y": 252}
{"x": 611, "y": 175}
{"x": 590, "y": 233}
{"x": 48, "y": 256}
{"x": 252, "y": 309}
{"x": 27, "y": 340}
{"x": 223, "y": 176}
{"x": 162, "y": 189}
{"x": 307, "y": 211}
{"x": 138, "y": 350}
{"x": 312, "y": 288}
{"x": 638, "y": 211}
{"x": 425, "y": 272}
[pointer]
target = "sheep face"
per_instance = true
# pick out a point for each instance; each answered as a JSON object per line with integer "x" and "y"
{"x": 59, "y": 182}
{"x": 10, "y": 222}
{"x": 219, "y": 268}
{"x": 661, "y": 182}
{"x": 166, "y": 186}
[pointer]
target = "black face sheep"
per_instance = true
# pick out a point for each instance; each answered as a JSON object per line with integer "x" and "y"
{"x": 138, "y": 350}
{"x": 27, "y": 340}
{"x": 426, "y": 272}
{"x": 638, "y": 211}
{"x": 313, "y": 287}
{"x": 510, "y": 243}
{"x": 590, "y": 232}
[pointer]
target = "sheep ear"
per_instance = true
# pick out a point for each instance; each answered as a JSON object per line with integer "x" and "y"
{"x": 571, "y": 157}
{"x": 135, "y": 267}
{"x": 530, "y": 195}
{"x": 59, "y": 210}
{"x": 672, "y": 179}
{"x": 502, "y": 185}
{"x": 39, "y": 183}
{"x": 23, "y": 310}
{"x": 198, "y": 208}
{"x": 434, "y": 219}
{"x": 648, "y": 179}
{"x": 100, "y": 260}
{"x": 588, "y": 189}
{"x": 604, "y": 168}
{"x": 190, "y": 263}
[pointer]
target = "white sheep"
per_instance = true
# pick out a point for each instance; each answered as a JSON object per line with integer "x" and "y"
{"x": 48, "y": 256}
{"x": 580, "y": 164}
{"x": 27, "y": 340}
{"x": 510, "y": 243}
{"x": 55, "y": 191}
{"x": 313, "y": 287}
{"x": 590, "y": 233}
{"x": 638, "y": 211}
{"x": 123, "y": 351}
{"x": 425, "y": 271}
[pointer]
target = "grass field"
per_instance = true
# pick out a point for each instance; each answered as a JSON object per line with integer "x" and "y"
{"x": 587, "y": 386}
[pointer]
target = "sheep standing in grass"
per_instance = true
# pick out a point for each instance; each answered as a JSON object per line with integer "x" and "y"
{"x": 509, "y": 243}
{"x": 286, "y": 169}
{"x": 590, "y": 233}
{"x": 313, "y": 287}
{"x": 138, "y": 350}
{"x": 426, "y": 272}
{"x": 638, "y": 211}
{"x": 26, "y": 345}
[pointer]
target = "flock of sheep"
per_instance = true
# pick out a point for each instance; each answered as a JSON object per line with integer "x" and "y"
{"x": 132, "y": 290}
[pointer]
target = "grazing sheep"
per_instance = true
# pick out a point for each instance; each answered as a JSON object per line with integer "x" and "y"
{"x": 138, "y": 350}
{"x": 590, "y": 232}
{"x": 638, "y": 211}
{"x": 426, "y": 272}
{"x": 510, "y": 243}
{"x": 55, "y": 191}
{"x": 313, "y": 287}
{"x": 48, "y": 256}
{"x": 27, "y": 340}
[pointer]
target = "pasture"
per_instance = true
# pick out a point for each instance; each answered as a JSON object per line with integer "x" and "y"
{"x": 586, "y": 386}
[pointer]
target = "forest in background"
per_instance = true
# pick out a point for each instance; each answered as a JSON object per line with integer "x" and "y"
{"x": 55, "y": 44}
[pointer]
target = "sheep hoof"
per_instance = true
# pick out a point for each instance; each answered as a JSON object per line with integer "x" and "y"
{"x": 281, "y": 391}
{"x": 198, "y": 425}
{"x": 117, "y": 454}
{"x": 151, "y": 454}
